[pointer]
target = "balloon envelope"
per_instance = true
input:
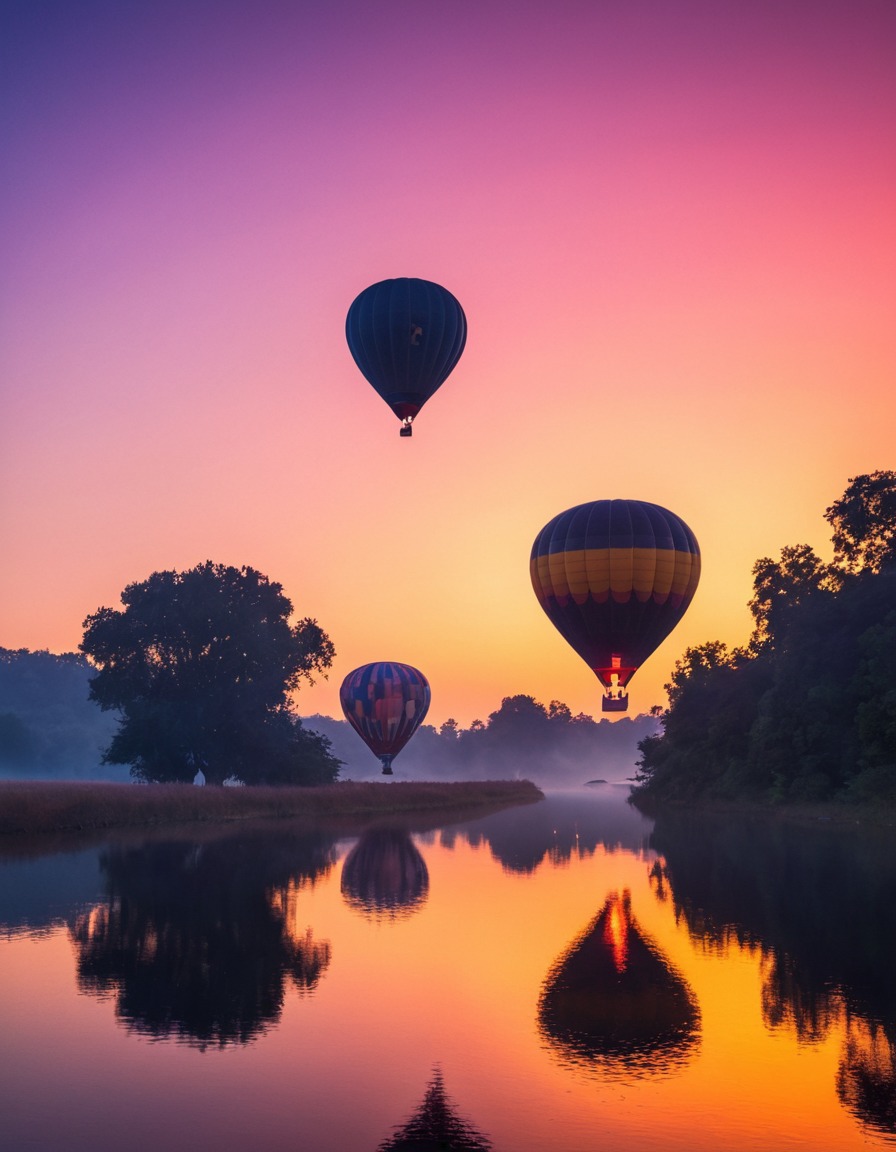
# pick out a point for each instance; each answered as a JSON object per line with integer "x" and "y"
{"x": 385, "y": 703}
{"x": 406, "y": 335}
{"x": 615, "y": 577}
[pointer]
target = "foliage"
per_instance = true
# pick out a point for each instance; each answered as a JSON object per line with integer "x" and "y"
{"x": 864, "y": 522}
{"x": 779, "y": 588}
{"x": 808, "y": 711}
{"x": 201, "y": 665}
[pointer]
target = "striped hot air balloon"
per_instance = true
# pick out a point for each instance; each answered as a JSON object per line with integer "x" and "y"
{"x": 385, "y": 703}
{"x": 406, "y": 336}
{"x": 615, "y": 577}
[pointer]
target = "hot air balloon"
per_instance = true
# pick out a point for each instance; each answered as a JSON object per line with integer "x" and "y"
{"x": 385, "y": 703}
{"x": 615, "y": 577}
{"x": 406, "y": 336}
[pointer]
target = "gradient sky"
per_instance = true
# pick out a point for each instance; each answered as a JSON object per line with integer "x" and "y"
{"x": 672, "y": 227}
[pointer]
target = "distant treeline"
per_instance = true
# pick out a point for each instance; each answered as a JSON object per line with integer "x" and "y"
{"x": 48, "y": 726}
{"x": 523, "y": 738}
{"x": 807, "y": 710}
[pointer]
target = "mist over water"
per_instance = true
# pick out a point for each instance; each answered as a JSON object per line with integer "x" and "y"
{"x": 551, "y": 755}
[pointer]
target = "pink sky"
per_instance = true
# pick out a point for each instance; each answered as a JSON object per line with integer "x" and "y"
{"x": 671, "y": 227}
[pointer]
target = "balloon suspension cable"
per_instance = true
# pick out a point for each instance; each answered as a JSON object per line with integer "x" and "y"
{"x": 406, "y": 429}
{"x": 387, "y": 765}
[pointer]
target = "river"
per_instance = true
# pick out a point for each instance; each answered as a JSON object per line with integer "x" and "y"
{"x": 563, "y": 977}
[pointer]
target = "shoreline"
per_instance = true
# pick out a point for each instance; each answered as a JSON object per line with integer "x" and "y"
{"x": 39, "y": 807}
{"x": 833, "y": 813}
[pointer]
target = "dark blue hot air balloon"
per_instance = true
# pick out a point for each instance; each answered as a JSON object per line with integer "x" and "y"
{"x": 406, "y": 336}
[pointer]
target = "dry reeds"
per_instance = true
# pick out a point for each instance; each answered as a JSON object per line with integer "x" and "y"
{"x": 29, "y": 807}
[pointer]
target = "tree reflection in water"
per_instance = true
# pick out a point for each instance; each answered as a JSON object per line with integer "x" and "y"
{"x": 195, "y": 941}
{"x": 817, "y": 902}
{"x": 613, "y": 1002}
{"x": 436, "y": 1127}
{"x": 866, "y": 1078}
{"x": 384, "y": 875}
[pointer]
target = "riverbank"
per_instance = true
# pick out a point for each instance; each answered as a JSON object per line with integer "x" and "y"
{"x": 37, "y": 807}
{"x": 833, "y": 812}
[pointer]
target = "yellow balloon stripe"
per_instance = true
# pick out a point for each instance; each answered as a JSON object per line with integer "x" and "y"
{"x": 598, "y": 573}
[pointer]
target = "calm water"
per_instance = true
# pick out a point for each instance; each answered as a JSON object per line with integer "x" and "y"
{"x": 567, "y": 976}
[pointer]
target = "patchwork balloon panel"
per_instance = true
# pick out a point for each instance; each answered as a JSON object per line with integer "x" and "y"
{"x": 385, "y": 702}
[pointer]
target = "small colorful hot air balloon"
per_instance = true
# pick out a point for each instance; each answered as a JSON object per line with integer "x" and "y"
{"x": 615, "y": 577}
{"x": 385, "y": 703}
{"x": 406, "y": 336}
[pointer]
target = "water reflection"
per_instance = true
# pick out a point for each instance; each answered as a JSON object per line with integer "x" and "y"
{"x": 866, "y": 1078}
{"x": 198, "y": 941}
{"x": 571, "y": 825}
{"x": 436, "y": 1126}
{"x": 384, "y": 875}
{"x": 40, "y": 893}
{"x": 613, "y": 1001}
{"x": 818, "y": 903}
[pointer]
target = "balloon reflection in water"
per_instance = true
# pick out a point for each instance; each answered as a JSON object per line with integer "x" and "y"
{"x": 866, "y": 1078}
{"x": 384, "y": 875}
{"x": 193, "y": 940}
{"x": 435, "y": 1125}
{"x": 613, "y": 1002}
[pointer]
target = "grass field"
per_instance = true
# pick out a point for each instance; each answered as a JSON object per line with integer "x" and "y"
{"x": 34, "y": 807}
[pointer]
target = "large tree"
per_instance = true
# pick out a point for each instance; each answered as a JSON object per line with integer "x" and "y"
{"x": 808, "y": 710}
{"x": 201, "y": 665}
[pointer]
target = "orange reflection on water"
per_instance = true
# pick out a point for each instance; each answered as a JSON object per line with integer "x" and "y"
{"x": 616, "y": 927}
{"x": 654, "y": 1038}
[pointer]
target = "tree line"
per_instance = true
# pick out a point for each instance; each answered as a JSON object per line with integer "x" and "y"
{"x": 197, "y": 672}
{"x": 523, "y": 738}
{"x": 48, "y": 727}
{"x": 806, "y": 710}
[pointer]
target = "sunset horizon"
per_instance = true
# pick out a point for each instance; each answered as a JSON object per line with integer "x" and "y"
{"x": 670, "y": 230}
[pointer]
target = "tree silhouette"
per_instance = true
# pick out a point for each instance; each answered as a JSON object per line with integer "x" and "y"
{"x": 864, "y": 522}
{"x": 201, "y": 665}
{"x": 808, "y": 711}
